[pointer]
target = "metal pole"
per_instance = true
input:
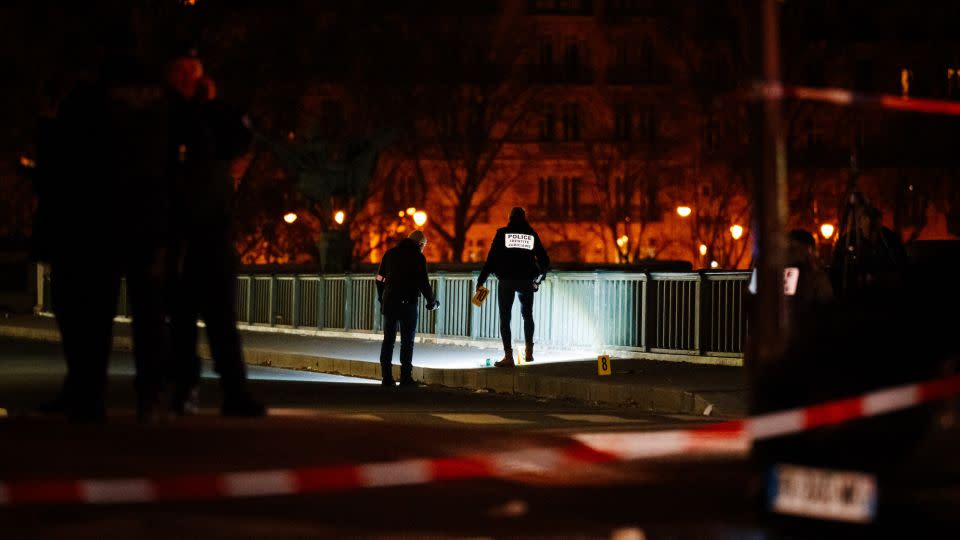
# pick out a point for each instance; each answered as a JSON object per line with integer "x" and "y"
{"x": 770, "y": 202}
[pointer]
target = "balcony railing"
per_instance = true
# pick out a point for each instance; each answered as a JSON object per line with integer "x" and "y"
{"x": 637, "y": 74}
{"x": 560, "y": 7}
{"x": 560, "y": 74}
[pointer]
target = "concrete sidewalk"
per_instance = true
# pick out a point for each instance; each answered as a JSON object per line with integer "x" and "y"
{"x": 666, "y": 387}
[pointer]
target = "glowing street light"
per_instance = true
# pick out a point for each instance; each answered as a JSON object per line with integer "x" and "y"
{"x": 411, "y": 211}
{"x": 826, "y": 230}
{"x": 623, "y": 240}
{"x": 27, "y": 162}
{"x": 683, "y": 211}
{"x": 736, "y": 232}
{"x": 339, "y": 217}
{"x": 419, "y": 217}
{"x": 703, "y": 249}
{"x": 714, "y": 264}
{"x": 289, "y": 217}
{"x": 402, "y": 213}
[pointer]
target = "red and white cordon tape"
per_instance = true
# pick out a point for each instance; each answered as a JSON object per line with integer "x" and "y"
{"x": 533, "y": 461}
{"x": 840, "y": 96}
{"x": 737, "y": 436}
{"x": 727, "y": 438}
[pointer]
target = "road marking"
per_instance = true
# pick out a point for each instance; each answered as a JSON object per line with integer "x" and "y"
{"x": 597, "y": 418}
{"x": 254, "y": 483}
{"x": 732, "y": 438}
{"x": 118, "y": 491}
{"x": 313, "y": 413}
{"x": 628, "y": 533}
{"x": 486, "y": 419}
{"x": 512, "y": 509}
{"x": 398, "y": 473}
{"x": 361, "y": 416}
{"x": 293, "y": 411}
{"x": 526, "y": 461}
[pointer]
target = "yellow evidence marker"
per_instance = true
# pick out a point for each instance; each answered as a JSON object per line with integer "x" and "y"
{"x": 603, "y": 365}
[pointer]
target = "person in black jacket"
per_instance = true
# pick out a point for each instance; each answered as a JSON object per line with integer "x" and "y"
{"x": 102, "y": 191}
{"x": 518, "y": 259}
{"x": 207, "y": 135}
{"x": 401, "y": 279}
{"x": 809, "y": 290}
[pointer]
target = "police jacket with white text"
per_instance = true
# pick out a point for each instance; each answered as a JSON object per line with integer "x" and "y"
{"x": 516, "y": 253}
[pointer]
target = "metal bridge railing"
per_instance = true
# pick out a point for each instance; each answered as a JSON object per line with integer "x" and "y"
{"x": 694, "y": 314}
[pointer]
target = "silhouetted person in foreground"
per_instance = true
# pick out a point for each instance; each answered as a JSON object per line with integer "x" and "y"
{"x": 520, "y": 262}
{"x": 207, "y": 135}
{"x": 103, "y": 189}
{"x": 813, "y": 290}
{"x": 868, "y": 257}
{"x": 401, "y": 279}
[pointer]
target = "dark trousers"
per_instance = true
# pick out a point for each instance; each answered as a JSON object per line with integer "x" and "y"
{"x": 404, "y": 315}
{"x": 509, "y": 288}
{"x": 85, "y": 303}
{"x": 84, "y": 299}
{"x": 146, "y": 279}
{"x": 204, "y": 287}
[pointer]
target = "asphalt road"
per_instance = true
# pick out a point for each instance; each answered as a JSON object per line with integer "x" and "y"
{"x": 30, "y": 373}
{"x": 319, "y": 420}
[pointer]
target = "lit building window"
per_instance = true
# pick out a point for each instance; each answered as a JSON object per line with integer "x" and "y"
{"x": 622, "y": 54}
{"x": 559, "y": 198}
{"x": 648, "y": 124}
{"x": 581, "y": 7}
{"x": 571, "y": 122}
{"x": 573, "y": 58}
{"x": 622, "y": 122}
{"x": 548, "y": 123}
{"x": 546, "y": 52}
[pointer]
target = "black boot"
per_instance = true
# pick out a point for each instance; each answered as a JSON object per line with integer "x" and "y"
{"x": 58, "y": 405}
{"x": 239, "y": 402}
{"x": 529, "y": 357}
{"x": 406, "y": 377}
{"x": 386, "y": 376}
{"x": 149, "y": 407}
{"x": 506, "y": 361}
{"x": 185, "y": 401}
{"x": 87, "y": 412}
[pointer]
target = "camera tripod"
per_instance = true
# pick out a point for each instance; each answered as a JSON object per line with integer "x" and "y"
{"x": 862, "y": 247}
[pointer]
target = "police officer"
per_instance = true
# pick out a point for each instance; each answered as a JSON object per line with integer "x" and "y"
{"x": 401, "y": 279}
{"x": 520, "y": 262}
{"x": 207, "y": 136}
{"x": 104, "y": 188}
{"x": 812, "y": 289}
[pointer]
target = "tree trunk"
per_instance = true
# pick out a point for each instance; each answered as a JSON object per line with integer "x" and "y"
{"x": 459, "y": 240}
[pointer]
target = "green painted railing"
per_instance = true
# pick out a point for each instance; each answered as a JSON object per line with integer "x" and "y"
{"x": 693, "y": 314}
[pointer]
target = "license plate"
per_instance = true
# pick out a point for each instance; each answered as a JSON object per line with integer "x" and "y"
{"x": 823, "y": 494}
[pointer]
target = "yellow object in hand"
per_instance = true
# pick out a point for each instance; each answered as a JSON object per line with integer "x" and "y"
{"x": 480, "y": 296}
